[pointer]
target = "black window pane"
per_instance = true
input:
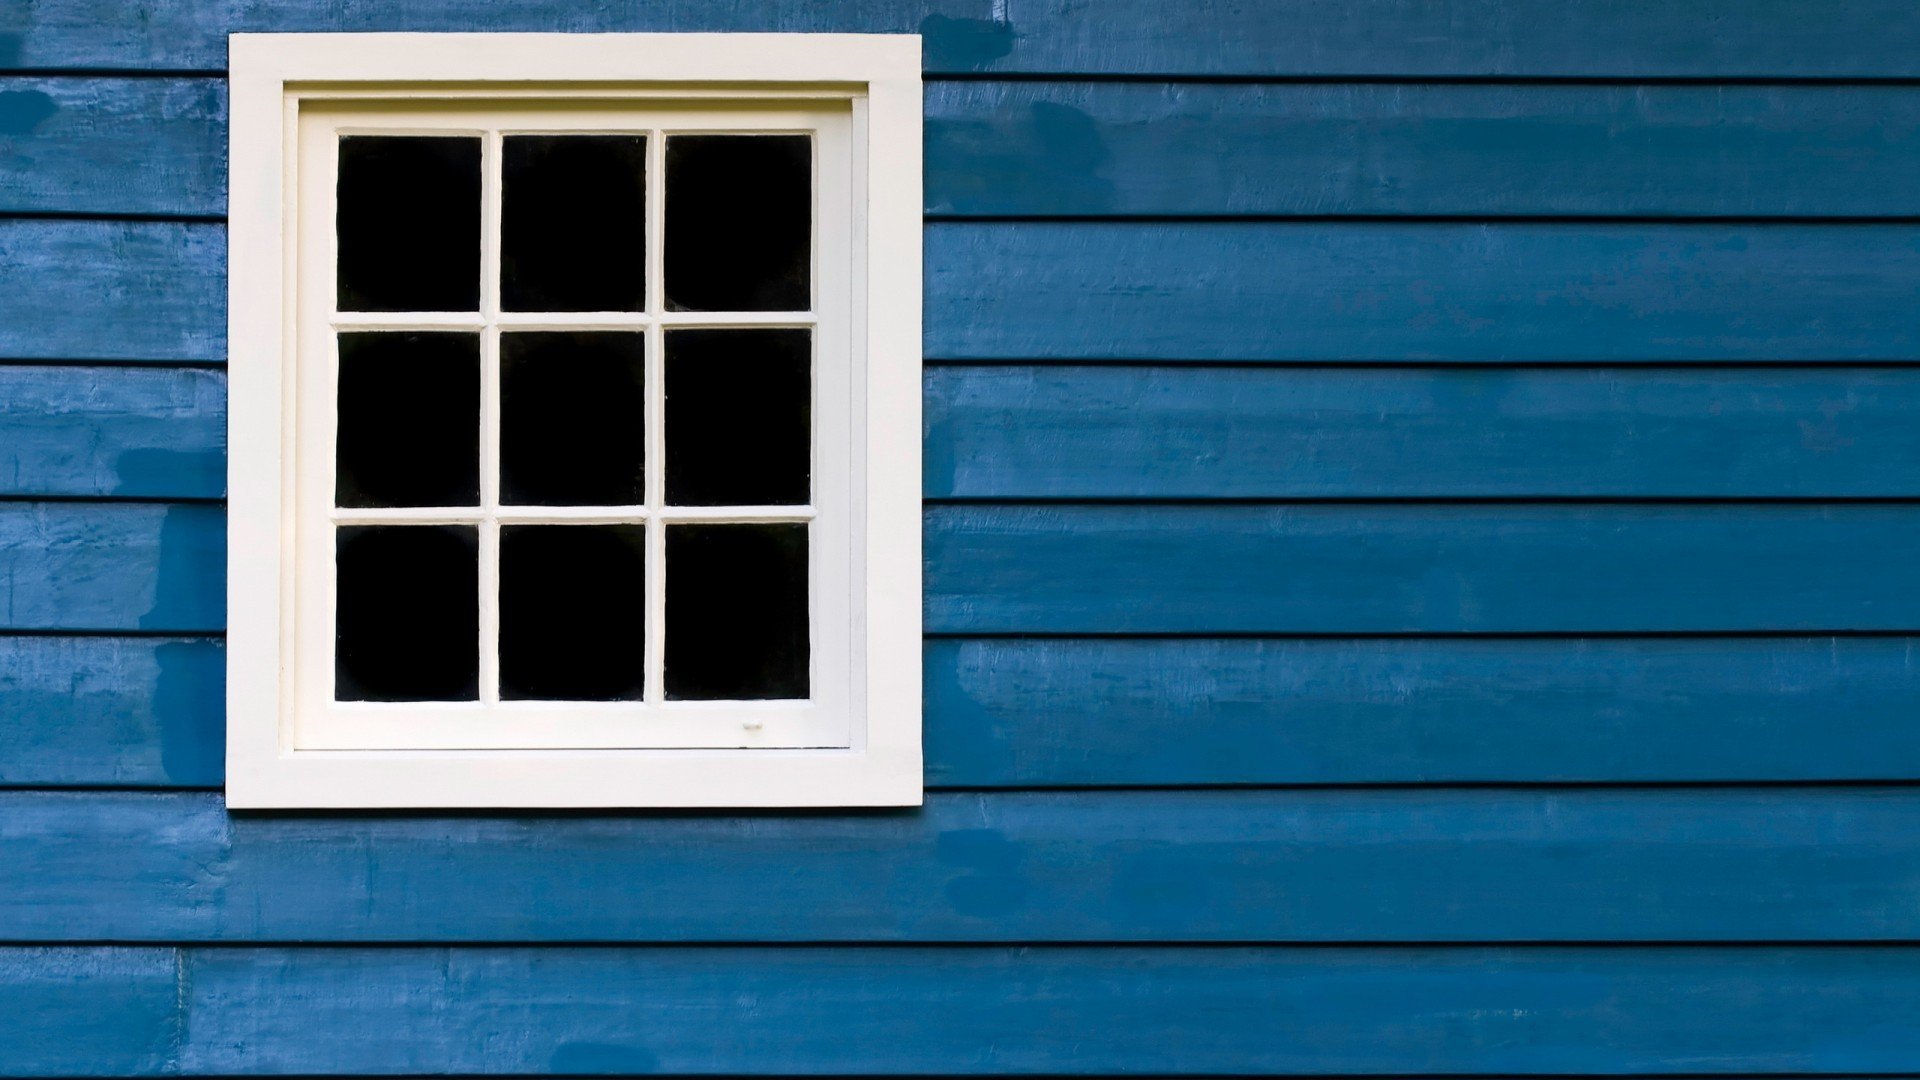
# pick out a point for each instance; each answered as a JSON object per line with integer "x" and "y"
{"x": 736, "y": 612}
{"x": 407, "y": 620}
{"x": 408, "y": 220}
{"x": 739, "y": 417}
{"x": 409, "y": 420}
{"x": 573, "y": 223}
{"x": 572, "y": 612}
{"x": 739, "y": 222}
{"x": 572, "y": 419}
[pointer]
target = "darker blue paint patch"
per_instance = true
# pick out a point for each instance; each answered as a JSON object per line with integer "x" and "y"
{"x": 964, "y": 44}
{"x": 21, "y": 111}
{"x": 191, "y": 683}
{"x": 191, "y": 571}
{"x": 990, "y": 883}
{"x": 10, "y": 48}
{"x": 155, "y": 472}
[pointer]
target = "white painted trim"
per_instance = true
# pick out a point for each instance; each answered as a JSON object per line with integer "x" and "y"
{"x": 867, "y": 467}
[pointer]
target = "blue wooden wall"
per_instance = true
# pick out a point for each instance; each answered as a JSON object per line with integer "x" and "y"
{"x": 1422, "y": 510}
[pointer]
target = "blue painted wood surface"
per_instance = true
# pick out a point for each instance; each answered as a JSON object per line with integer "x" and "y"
{"x": 1298, "y": 569}
{"x": 78, "y": 1012}
{"x": 117, "y": 431}
{"x": 1279, "y": 291}
{"x": 1028, "y": 1010}
{"x": 1076, "y": 432}
{"x": 1412, "y": 568}
{"x": 91, "y": 711}
{"x": 1761, "y": 39}
{"x": 1397, "y": 865}
{"x": 157, "y": 146}
{"x": 1079, "y": 148}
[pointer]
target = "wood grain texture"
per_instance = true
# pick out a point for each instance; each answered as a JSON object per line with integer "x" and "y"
{"x": 81, "y": 1011}
{"x": 1317, "y": 291}
{"x": 108, "y": 290}
{"x": 1302, "y": 569}
{"x": 104, "y": 566}
{"x": 1098, "y": 1011}
{"x": 1303, "y": 865}
{"x": 1385, "y": 568}
{"x": 1784, "y": 39}
{"x": 1093, "y": 149}
{"x": 1082, "y": 432}
{"x": 1268, "y": 291}
{"x": 157, "y": 146}
{"x": 118, "y": 431}
{"x": 92, "y": 711}
{"x": 113, "y": 146}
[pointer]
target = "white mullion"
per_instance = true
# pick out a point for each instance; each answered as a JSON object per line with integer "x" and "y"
{"x": 656, "y": 443}
{"x": 778, "y": 320}
{"x": 736, "y": 515}
{"x": 571, "y": 515}
{"x": 573, "y": 320}
{"x": 406, "y": 515}
{"x": 365, "y": 321}
{"x": 490, "y": 420}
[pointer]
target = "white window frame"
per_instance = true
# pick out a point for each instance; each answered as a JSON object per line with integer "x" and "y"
{"x": 856, "y": 741}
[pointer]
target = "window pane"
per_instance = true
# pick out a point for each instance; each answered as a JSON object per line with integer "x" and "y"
{"x": 736, "y": 611}
{"x": 407, "y": 624}
{"x": 739, "y": 417}
{"x": 573, "y": 223}
{"x": 739, "y": 222}
{"x": 408, "y": 218}
{"x": 409, "y": 432}
{"x": 573, "y": 612}
{"x": 572, "y": 419}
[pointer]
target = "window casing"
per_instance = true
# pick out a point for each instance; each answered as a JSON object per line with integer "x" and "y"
{"x": 682, "y": 495}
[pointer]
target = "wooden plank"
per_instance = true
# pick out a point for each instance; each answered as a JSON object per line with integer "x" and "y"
{"x": 91, "y": 711}
{"x": 120, "y": 431}
{"x": 1254, "y": 291}
{"x": 1307, "y": 865}
{"x": 1033, "y": 1010}
{"x": 1062, "y": 712}
{"x": 1781, "y": 39}
{"x": 1080, "y": 432}
{"x": 107, "y": 290}
{"x": 112, "y": 711}
{"x": 157, "y": 146}
{"x": 1095, "y": 149}
{"x": 89, "y": 1011}
{"x": 106, "y": 566}
{"x": 1421, "y": 568}
{"x": 1300, "y": 569}
{"x": 1438, "y": 291}
{"x": 113, "y": 146}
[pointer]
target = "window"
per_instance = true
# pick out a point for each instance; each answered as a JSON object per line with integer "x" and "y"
{"x": 574, "y": 420}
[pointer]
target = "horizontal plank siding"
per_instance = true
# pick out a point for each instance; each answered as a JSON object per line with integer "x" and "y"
{"x": 157, "y": 146}
{"x": 1080, "y": 432}
{"x": 1079, "y": 569}
{"x": 1325, "y": 865}
{"x": 1094, "y": 149}
{"x": 1099, "y": 1011}
{"x": 1436, "y": 291}
{"x": 113, "y": 146}
{"x": 1272, "y": 291}
{"x": 1395, "y": 568}
{"x": 89, "y": 1012}
{"x": 94, "y": 711}
{"x": 1756, "y": 39}
{"x": 118, "y": 431}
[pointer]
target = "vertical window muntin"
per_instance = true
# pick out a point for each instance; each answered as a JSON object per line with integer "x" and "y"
{"x": 660, "y": 719}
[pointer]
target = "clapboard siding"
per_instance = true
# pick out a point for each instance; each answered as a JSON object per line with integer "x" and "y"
{"x": 145, "y": 432}
{"x": 1327, "y": 865}
{"x": 1257, "y": 291}
{"x": 1075, "y": 432}
{"x": 1088, "y": 149}
{"x": 1077, "y": 569}
{"x": 113, "y": 146}
{"x": 94, "y": 711}
{"x": 1395, "y": 568}
{"x": 1060, "y": 432}
{"x": 1093, "y": 1011}
{"x": 157, "y": 146}
{"x": 1752, "y": 39}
